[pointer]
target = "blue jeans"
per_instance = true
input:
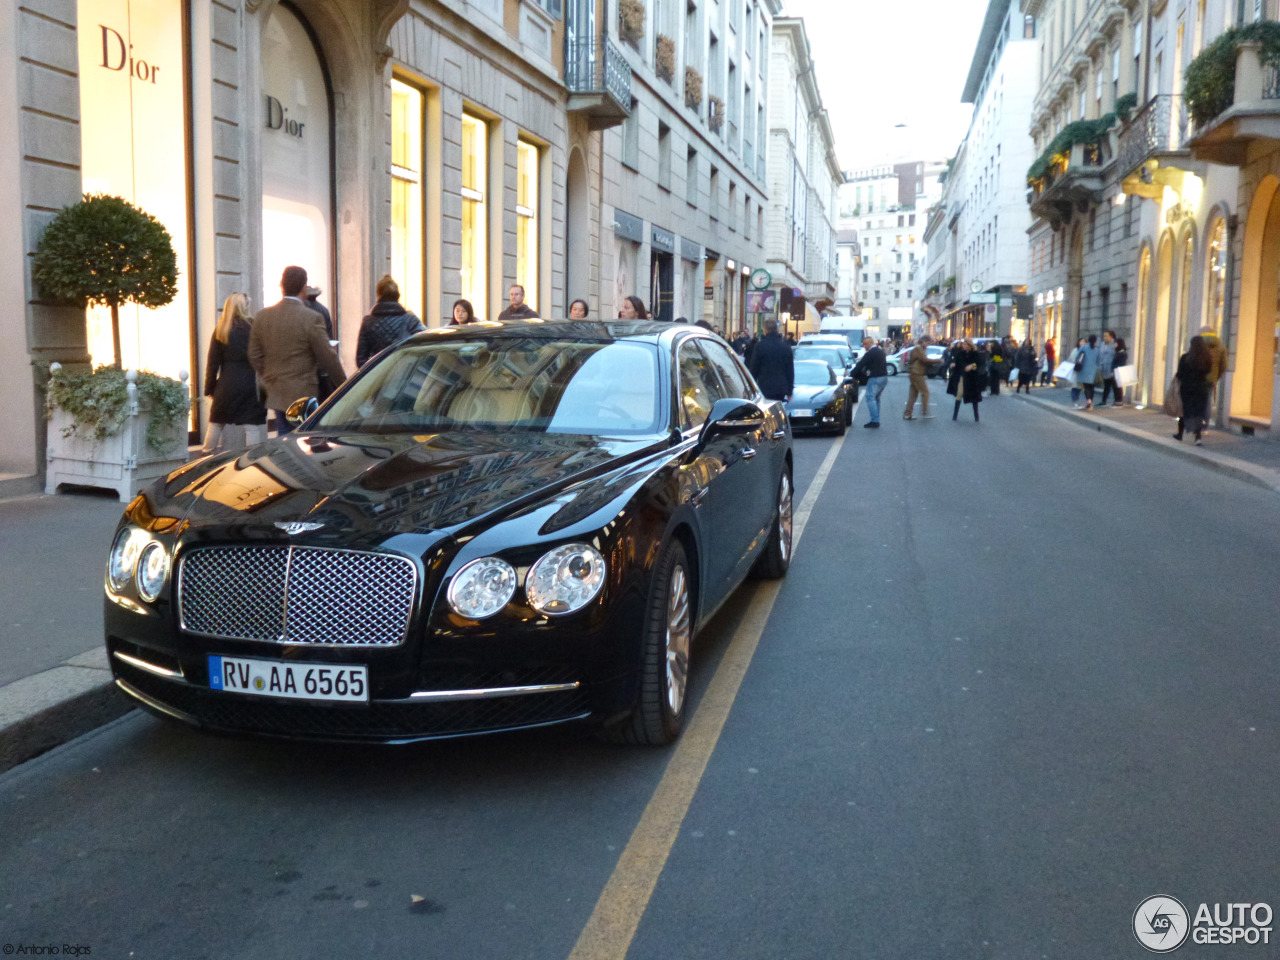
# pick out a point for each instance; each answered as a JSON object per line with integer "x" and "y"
{"x": 875, "y": 387}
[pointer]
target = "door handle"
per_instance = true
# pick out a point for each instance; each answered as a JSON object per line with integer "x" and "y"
{"x": 696, "y": 499}
{"x": 779, "y": 434}
{"x": 748, "y": 453}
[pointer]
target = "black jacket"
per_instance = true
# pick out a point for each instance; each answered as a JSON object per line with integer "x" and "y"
{"x": 773, "y": 367}
{"x": 230, "y": 380}
{"x": 386, "y": 324}
{"x": 872, "y": 364}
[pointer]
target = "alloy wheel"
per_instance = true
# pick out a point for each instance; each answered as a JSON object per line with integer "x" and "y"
{"x": 784, "y": 517}
{"x": 679, "y": 637}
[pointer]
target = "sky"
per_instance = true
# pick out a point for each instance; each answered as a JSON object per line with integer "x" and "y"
{"x": 881, "y": 63}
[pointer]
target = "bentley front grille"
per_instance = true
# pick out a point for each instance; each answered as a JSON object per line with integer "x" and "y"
{"x": 296, "y": 595}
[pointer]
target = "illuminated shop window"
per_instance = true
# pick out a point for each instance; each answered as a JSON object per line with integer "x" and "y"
{"x": 406, "y": 194}
{"x": 133, "y": 145}
{"x": 527, "y": 221}
{"x": 1217, "y": 273}
{"x": 475, "y": 237}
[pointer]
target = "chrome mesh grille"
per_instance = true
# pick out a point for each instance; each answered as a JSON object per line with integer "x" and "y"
{"x": 296, "y": 595}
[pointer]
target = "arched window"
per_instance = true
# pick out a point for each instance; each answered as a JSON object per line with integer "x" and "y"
{"x": 1216, "y": 274}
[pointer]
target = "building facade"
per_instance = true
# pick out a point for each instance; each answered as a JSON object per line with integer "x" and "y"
{"x": 804, "y": 175}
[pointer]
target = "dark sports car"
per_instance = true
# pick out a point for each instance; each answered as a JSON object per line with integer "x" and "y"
{"x": 489, "y": 527}
{"x": 818, "y": 400}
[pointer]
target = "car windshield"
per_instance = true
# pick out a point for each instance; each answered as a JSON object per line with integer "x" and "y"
{"x": 811, "y": 373}
{"x": 830, "y": 354}
{"x": 551, "y": 386}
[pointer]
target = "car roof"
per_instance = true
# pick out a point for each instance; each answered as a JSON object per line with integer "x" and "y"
{"x": 651, "y": 331}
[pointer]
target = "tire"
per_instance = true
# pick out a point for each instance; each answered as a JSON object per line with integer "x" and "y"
{"x": 848, "y": 410}
{"x": 774, "y": 562}
{"x": 843, "y": 424}
{"x": 658, "y": 715}
{"x": 893, "y": 369}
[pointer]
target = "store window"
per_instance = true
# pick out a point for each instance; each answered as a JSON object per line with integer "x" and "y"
{"x": 475, "y": 234}
{"x": 1217, "y": 270}
{"x": 406, "y": 194}
{"x": 133, "y": 144}
{"x": 527, "y": 172}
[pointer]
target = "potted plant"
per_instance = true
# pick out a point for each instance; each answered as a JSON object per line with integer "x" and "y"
{"x": 108, "y": 427}
{"x": 715, "y": 112}
{"x": 664, "y": 57}
{"x": 692, "y": 88}
{"x": 631, "y": 21}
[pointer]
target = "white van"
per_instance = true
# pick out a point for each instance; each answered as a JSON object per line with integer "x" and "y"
{"x": 852, "y": 329}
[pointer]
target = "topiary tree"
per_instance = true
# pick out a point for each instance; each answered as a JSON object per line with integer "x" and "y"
{"x": 104, "y": 250}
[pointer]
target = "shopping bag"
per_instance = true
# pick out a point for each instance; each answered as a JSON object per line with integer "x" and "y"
{"x": 1173, "y": 398}
{"x": 1065, "y": 370}
{"x": 1127, "y": 375}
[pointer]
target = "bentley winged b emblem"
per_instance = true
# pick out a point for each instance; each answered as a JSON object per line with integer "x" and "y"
{"x": 295, "y": 527}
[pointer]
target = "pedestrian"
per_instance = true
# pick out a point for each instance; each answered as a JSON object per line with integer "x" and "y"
{"x": 1218, "y": 356}
{"x": 873, "y": 370}
{"x": 1107, "y": 366}
{"x": 519, "y": 310}
{"x": 229, "y": 379}
{"x": 387, "y": 323}
{"x": 1050, "y": 362}
{"x": 324, "y": 384}
{"x": 1076, "y": 359}
{"x": 698, "y": 323}
{"x": 632, "y": 309}
{"x": 287, "y": 344}
{"x": 578, "y": 310}
{"x": 772, "y": 363}
{"x": 741, "y": 342}
{"x": 994, "y": 366}
{"x": 1122, "y": 360}
{"x": 918, "y": 364}
{"x": 1028, "y": 362}
{"x": 463, "y": 313}
{"x": 1194, "y": 368}
{"x": 1088, "y": 371}
{"x": 968, "y": 376}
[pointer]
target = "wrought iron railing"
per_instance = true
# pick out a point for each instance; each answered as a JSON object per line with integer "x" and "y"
{"x": 595, "y": 65}
{"x": 1162, "y": 125}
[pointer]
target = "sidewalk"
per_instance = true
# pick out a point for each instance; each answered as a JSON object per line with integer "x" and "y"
{"x": 1246, "y": 458}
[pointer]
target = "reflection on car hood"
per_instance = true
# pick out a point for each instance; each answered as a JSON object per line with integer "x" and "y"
{"x": 804, "y": 395}
{"x": 388, "y": 483}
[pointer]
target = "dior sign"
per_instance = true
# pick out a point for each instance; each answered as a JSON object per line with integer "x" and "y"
{"x": 117, "y": 55}
{"x": 278, "y": 119}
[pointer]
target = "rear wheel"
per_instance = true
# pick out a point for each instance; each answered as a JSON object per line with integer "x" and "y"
{"x": 776, "y": 558}
{"x": 658, "y": 715}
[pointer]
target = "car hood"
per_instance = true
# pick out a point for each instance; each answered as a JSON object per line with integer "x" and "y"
{"x": 804, "y": 395}
{"x": 361, "y": 486}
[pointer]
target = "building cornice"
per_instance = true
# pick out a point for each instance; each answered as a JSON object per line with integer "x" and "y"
{"x": 997, "y": 10}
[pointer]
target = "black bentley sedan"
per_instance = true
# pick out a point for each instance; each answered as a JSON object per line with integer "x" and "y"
{"x": 818, "y": 400}
{"x": 489, "y": 527}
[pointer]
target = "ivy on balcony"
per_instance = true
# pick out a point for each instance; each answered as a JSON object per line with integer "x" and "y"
{"x": 1087, "y": 132}
{"x": 1210, "y": 79}
{"x": 1125, "y": 105}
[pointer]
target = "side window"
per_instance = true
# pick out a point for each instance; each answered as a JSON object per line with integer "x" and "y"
{"x": 731, "y": 375}
{"x": 699, "y": 389}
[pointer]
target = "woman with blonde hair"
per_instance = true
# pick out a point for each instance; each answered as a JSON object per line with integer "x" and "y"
{"x": 229, "y": 379}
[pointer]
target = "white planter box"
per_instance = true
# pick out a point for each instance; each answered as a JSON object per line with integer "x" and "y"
{"x": 124, "y": 462}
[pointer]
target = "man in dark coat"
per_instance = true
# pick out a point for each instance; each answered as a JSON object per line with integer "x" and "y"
{"x": 519, "y": 310}
{"x": 773, "y": 365}
{"x": 873, "y": 370}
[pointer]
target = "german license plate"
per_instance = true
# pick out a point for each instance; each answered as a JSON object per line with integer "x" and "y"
{"x": 802, "y": 413}
{"x": 296, "y": 681}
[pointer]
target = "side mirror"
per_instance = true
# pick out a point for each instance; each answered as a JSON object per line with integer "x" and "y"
{"x": 732, "y": 415}
{"x": 300, "y": 409}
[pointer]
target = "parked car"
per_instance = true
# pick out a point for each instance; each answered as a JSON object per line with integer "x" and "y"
{"x": 841, "y": 360}
{"x": 486, "y": 528}
{"x": 818, "y": 400}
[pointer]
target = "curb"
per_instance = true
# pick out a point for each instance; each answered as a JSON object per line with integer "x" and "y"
{"x": 1219, "y": 462}
{"x": 43, "y": 711}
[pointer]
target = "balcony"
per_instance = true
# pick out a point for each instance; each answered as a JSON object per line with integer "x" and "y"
{"x": 599, "y": 81}
{"x": 1071, "y": 185}
{"x": 1247, "y": 112}
{"x": 1153, "y": 152}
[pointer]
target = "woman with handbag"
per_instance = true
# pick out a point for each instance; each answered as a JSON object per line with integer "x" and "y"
{"x": 1088, "y": 370}
{"x": 1193, "y": 387}
{"x": 229, "y": 379}
{"x": 1122, "y": 360}
{"x": 1076, "y": 360}
{"x": 968, "y": 376}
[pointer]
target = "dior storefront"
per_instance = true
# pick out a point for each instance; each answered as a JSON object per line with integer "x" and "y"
{"x": 330, "y": 134}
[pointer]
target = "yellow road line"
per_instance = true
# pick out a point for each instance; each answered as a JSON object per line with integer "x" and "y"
{"x": 613, "y": 923}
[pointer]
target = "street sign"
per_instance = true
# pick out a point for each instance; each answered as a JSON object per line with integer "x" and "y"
{"x": 983, "y": 298}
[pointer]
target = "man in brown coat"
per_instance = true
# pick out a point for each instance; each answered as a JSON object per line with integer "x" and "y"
{"x": 287, "y": 345}
{"x": 918, "y": 369}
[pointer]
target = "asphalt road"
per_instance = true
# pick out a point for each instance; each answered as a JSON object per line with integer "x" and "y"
{"x": 1021, "y": 677}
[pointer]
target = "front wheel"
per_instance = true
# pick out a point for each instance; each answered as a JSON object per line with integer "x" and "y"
{"x": 893, "y": 370}
{"x": 658, "y": 715}
{"x": 774, "y": 562}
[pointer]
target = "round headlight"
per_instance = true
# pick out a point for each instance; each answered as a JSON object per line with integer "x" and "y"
{"x": 124, "y": 556}
{"x": 482, "y": 587}
{"x": 566, "y": 579}
{"x": 153, "y": 570}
